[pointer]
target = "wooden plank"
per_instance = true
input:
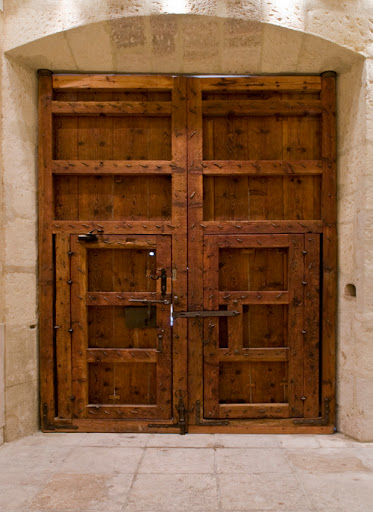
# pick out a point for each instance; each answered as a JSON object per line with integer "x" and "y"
{"x": 257, "y": 241}
{"x": 112, "y": 108}
{"x": 209, "y": 328}
{"x": 262, "y": 83}
{"x": 122, "y": 412}
{"x": 63, "y": 324}
{"x": 119, "y": 227}
{"x": 254, "y": 297}
{"x": 265, "y": 410}
{"x": 123, "y": 298}
{"x": 254, "y": 354}
{"x": 119, "y": 355}
{"x": 261, "y": 108}
{"x": 311, "y": 325}
{"x": 261, "y": 227}
{"x": 79, "y": 326}
{"x": 112, "y": 82}
{"x": 295, "y": 336}
{"x": 261, "y": 167}
{"x": 329, "y": 256}
{"x": 135, "y": 167}
{"x": 179, "y": 243}
{"x": 46, "y": 270}
{"x": 195, "y": 240}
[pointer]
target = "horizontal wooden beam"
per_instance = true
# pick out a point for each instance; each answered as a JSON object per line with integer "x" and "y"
{"x": 113, "y": 167}
{"x": 262, "y": 226}
{"x": 259, "y": 167}
{"x": 115, "y": 242}
{"x": 124, "y": 298}
{"x": 120, "y": 355}
{"x": 112, "y": 82}
{"x": 254, "y": 354}
{"x": 254, "y": 410}
{"x": 121, "y": 411}
{"x": 261, "y": 108}
{"x": 112, "y": 108}
{"x": 262, "y": 83}
{"x": 254, "y": 298}
{"x": 249, "y": 241}
{"x": 119, "y": 227}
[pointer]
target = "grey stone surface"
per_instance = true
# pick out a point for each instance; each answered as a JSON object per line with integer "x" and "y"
{"x": 163, "y": 473}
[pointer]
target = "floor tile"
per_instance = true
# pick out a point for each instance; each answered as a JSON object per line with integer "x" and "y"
{"x": 39, "y": 458}
{"x": 104, "y": 439}
{"x": 17, "y": 489}
{"x": 299, "y": 441}
{"x": 102, "y": 459}
{"x": 72, "y": 492}
{"x": 348, "y": 492}
{"x": 246, "y": 441}
{"x": 173, "y": 493}
{"x": 262, "y": 492}
{"x": 178, "y": 441}
{"x": 251, "y": 460}
{"x": 326, "y": 461}
{"x": 178, "y": 460}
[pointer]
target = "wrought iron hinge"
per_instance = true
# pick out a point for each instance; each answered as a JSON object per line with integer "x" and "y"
{"x": 317, "y": 421}
{"x": 200, "y": 421}
{"x": 181, "y": 424}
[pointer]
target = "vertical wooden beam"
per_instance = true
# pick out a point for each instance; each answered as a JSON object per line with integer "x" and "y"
{"x": 311, "y": 324}
{"x": 195, "y": 239}
{"x": 179, "y": 241}
{"x": 46, "y": 270}
{"x": 210, "y": 341}
{"x": 296, "y": 307}
{"x": 79, "y": 327}
{"x": 329, "y": 256}
{"x": 63, "y": 323}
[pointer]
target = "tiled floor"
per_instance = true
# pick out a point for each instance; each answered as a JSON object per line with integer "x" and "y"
{"x": 172, "y": 473}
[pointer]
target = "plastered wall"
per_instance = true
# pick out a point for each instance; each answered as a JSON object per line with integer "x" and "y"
{"x": 172, "y": 36}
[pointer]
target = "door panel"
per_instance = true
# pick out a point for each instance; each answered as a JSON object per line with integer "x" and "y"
{"x": 258, "y": 359}
{"x": 165, "y": 197}
{"x": 121, "y": 340}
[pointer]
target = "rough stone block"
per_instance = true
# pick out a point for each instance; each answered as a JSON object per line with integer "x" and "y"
{"x": 20, "y": 299}
{"x": 244, "y": 9}
{"x": 163, "y": 34}
{"x": 21, "y": 410}
{"x": 91, "y": 47}
{"x": 280, "y": 50}
{"x": 21, "y": 355}
{"x": 127, "y": 32}
{"x": 19, "y": 201}
{"x": 288, "y": 14}
{"x": 20, "y": 245}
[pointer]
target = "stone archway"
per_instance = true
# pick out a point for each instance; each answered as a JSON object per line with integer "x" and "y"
{"x": 187, "y": 44}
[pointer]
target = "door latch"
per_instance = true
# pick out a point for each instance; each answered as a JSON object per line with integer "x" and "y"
{"x": 204, "y": 314}
{"x": 163, "y": 278}
{"x": 88, "y": 237}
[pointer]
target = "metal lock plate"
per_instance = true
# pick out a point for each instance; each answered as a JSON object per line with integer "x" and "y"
{"x": 140, "y": 317}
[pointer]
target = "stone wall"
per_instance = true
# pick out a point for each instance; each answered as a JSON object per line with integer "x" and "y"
{"x": 210, "y": 36}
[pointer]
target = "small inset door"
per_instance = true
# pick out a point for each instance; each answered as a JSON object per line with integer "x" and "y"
{"x": 121, "y": 339}
{"x": 253, "y": 358}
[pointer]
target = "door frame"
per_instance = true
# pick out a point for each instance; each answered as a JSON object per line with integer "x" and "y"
{"x": 186, "y": 133}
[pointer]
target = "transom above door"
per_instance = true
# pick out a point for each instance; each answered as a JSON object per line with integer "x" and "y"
{"x": 187, "y": 253}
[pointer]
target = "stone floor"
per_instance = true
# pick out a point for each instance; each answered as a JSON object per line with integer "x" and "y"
{"x": 160, "y": 472}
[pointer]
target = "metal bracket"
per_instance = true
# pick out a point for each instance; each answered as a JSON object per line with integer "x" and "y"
{"x": 317, "y": 421}
{"x": 181, "y": 424}
{"x": 199, "y": 421}
{"x": 204, "y": 314}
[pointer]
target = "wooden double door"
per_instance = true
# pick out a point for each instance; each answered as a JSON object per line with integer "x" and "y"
{"x": 187, "y": 253}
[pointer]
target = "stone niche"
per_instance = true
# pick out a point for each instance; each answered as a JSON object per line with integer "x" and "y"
{"x": 233, "y": 40}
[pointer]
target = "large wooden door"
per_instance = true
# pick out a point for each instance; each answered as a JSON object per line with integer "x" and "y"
{"x": 187, "y": 253}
